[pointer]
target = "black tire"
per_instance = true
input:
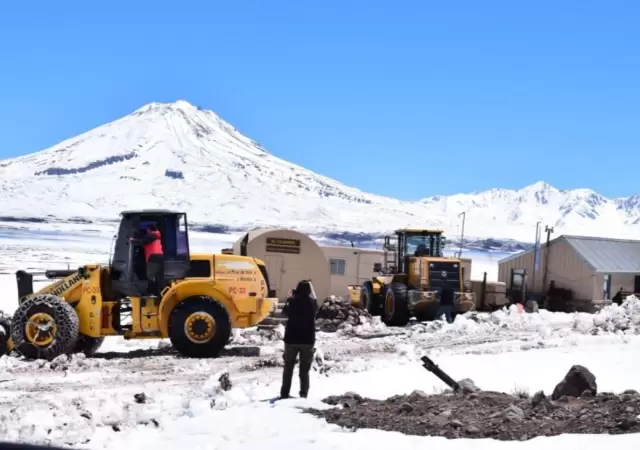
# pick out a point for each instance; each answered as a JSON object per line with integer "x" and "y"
{"x": 5, "y": 333}
{"x": 64, "y": 318}
{"x": 88, "y": 345}
{"x": 181, "y": 341}
{"x": 396, "y": 305}
{"x": 370, "y": 301}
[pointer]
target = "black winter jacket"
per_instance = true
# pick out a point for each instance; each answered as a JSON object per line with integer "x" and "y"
{"x": 301, "y": 312}
{"x": 446, "y": 296}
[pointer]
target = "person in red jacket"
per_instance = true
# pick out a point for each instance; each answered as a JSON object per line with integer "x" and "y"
{"x": 154, "y": 257}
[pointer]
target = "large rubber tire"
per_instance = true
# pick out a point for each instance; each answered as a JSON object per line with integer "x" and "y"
{"x": 369, "y": 301}
{"x": 178, "y": 333}
{"x": 5, "y": 334}
{"x": 64, "y": 318}
{"x": 88, "y": 345}
{"x": 396, "y": 305}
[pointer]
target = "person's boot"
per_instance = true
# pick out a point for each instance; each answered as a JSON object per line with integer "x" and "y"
{"x": 304, "y": 384}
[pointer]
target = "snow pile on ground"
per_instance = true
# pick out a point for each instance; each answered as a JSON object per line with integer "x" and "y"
{"x": 621, "y": 319}
{"x": 478, "y": 327}
{"x": 257, "y": 336}
{"x": 61, "y": 364}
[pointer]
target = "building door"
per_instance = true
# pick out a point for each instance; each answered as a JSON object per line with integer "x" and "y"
{"x": 606, "y": 288}
{"x": 636, "y": 284}
{"x": 274, "y": 264}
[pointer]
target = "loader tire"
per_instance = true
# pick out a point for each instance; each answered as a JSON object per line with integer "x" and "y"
{"x": 199, "y": 327}
{"x": 396, "y": 305}
{"x": 44, "y": 327}
{"x": 5, "y": 334}
{"x": 369, "y": 301}
{"x": 88, "y": 345}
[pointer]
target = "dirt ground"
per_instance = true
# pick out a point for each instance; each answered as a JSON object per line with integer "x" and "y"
{"x": 487, "y": 414}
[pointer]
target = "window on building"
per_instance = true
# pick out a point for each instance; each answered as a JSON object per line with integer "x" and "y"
{"x": 337, "y": 266}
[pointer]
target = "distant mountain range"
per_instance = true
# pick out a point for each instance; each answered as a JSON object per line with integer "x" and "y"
{"x": 178, "y": 156}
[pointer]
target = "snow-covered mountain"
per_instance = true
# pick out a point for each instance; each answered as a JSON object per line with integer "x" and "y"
{"x": 178, "y": 156}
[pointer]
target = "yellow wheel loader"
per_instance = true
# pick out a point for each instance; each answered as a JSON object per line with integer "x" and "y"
{"x": 197, "y": 300}
{"x": 410, "y": 279}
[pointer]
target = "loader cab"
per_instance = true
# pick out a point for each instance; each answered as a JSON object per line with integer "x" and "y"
{"x": 128, "y": 265}
{"x": 412, "y": 242}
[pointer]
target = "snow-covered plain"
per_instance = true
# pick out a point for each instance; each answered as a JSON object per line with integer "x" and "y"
{"x": 91, "y": 403}
{"x": 175, "y": 155}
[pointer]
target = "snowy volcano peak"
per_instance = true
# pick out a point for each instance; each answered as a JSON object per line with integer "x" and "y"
{"x": 157, "y": 136}
{"x": 173, "y": 155}
{"x": 178, "y": 156}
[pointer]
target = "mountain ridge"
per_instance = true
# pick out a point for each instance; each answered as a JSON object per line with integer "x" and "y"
{"x": 176, "y": 155}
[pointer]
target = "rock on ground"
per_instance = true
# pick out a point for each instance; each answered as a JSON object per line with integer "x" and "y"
{"x": 486, "y": 414}
{"x": 578, "y": 380}
{"x": 335, "y": 313}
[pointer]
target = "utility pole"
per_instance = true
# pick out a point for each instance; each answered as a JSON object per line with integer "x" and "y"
{"x": 548, "y": 230}
{"x": 464, "y": 216}
{"x": 536, "y": 250}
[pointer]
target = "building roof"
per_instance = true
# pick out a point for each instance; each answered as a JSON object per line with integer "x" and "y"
{"x": 150, "y": 212}
{"x": 260, "y": 231}
{"x": 605, "y": 255}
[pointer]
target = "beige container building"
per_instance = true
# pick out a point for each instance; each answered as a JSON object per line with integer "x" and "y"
{"x": 350, "y": 265}
{"x": 593, "y": 268}
{"x": 289, "y": 256}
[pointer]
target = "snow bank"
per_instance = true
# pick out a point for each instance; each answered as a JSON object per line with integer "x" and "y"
{"x": 256, "y": 336}
{"x": 618, "y": 319}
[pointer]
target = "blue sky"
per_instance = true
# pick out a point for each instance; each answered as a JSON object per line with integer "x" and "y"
{"x": 406, "y": 98}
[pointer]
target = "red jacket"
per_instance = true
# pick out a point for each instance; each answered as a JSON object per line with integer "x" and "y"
{"x": 154, "y": 247}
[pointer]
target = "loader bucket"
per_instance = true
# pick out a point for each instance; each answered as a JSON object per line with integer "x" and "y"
{"x": 354, "y": 294}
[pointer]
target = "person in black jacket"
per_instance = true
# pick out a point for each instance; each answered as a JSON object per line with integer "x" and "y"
{"x": 299, "y": 336}
{"x": 446, "y": 302}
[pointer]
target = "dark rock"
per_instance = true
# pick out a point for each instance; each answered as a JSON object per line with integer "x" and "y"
{"x": 225, "y": 382}
{"x": 514, "y": 413}
{"x": 140, "y": 398}
{"x": 575, "y": 382}
{"x": 467, "y": 386}
{"x": 538, "y": 398}
{"x": 405, "y": 408}
{"x": 417, "y": 393}
{"x": 336, "y": 313}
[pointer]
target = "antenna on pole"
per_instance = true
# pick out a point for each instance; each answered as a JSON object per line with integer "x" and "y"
{"x": 548, "y": 230}
{"x": 464, "y": 216}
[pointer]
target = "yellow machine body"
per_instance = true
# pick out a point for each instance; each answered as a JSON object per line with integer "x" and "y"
{"x": 194, "y": 299}
{"x": 412, "y": 274}
{"x": 236, "y": 282}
